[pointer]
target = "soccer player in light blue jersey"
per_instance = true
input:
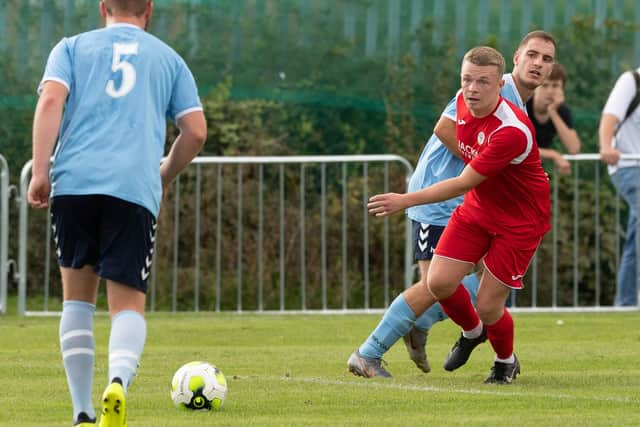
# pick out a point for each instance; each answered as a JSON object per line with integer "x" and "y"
{"x": 440, "y": 159}
{"x": 104, "y": 100}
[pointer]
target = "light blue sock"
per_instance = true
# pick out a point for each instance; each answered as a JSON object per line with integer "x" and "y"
{"x": 471, "y": 283}
{"x": 77, "y": 346}
{"x": 435, "y": 313}
{"x": 396, "y": 323}
{"x": 126, "y": 342}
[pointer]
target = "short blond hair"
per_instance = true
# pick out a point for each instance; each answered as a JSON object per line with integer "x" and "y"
{"x": 485, "y": 56}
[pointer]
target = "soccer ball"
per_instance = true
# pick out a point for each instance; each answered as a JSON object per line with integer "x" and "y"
{"x": 198, "y": 386}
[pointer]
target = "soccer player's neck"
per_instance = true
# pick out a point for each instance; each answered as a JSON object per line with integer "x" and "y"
{"x": 133, "y": 20}
{"x": 480, "y": 113}
{"x": 524, "y": 90}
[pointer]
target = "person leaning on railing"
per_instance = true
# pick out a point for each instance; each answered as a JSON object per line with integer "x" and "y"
{"x": 551, "y": 116}
{"x": 619, "y": 133}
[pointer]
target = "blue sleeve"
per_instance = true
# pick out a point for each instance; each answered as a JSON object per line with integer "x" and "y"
{"x": 450, "y": 109}
{"x": 59, "y": 65}
{"x": 510, "y": 93}
{"x": 184, "y": 98}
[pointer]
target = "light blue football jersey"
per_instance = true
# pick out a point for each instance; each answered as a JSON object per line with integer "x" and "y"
{"x": 436, "y": 163}
{"x": 123, "y": 85}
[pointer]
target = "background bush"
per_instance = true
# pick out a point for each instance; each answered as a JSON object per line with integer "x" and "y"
{"x": 277, "y": 95}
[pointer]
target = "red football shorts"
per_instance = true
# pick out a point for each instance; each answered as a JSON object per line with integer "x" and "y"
{"x": 507, "y": 254}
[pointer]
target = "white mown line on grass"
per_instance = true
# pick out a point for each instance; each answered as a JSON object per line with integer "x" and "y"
{"x": 389, "y": 384}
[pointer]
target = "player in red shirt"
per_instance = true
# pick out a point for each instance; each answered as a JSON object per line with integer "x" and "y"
{"x": 502, "y": 220}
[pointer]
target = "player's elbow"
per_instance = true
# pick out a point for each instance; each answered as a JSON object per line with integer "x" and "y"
{"x": 194, "y": 129}
{"x": 439, "y": 130}
{"x": 52, "y": 97}
{"x": 48, "y": 103}
{"x": 199, "y": 135}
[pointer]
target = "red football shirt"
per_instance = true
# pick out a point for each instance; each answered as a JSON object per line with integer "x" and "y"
{"x": 502, "y": 147}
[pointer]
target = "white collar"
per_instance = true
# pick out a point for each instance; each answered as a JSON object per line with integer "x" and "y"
{"x": 123, "y": 24}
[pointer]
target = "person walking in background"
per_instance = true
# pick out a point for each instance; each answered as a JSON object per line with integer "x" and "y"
{"x": 619, "y": 133}
{"x": 533, "y": 60}
{"x": 550, "y": 117}
{"x": 104, "y": 99}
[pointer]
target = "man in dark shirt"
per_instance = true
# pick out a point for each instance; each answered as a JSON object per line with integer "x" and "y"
{"x": 551, "y": 117}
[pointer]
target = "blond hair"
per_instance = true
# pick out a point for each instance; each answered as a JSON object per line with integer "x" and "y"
{"x": 486, "y": 56}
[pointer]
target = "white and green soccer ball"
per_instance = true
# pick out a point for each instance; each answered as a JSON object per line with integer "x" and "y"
{"x": 199, "y": 386}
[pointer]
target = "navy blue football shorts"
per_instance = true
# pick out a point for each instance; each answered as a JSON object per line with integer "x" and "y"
{"x": 425, "y": 239}
{"x": 112, "y": 235}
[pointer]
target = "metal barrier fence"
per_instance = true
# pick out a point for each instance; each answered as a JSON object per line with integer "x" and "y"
{"x": 292, "y": 249}
{"x": 4, "y": 231}
{"x": 305, "y": 202}
{"x": 579, "y": 257}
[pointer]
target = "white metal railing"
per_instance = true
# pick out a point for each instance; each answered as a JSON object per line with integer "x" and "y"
{"x": 4, "y": 232}
{"x": 574, "y": 270}
{"x": 346, "y": 172}
{"x": 586, "y": 169}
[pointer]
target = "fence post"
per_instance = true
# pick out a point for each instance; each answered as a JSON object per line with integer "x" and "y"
{"x": 4, "y": 231}
{"x": 22, "y": 230}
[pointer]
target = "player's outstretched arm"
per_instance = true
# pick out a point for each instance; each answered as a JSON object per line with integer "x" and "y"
{"x": 193, "y": 133}
{"x": 389, "y": 203}
{"x": 46, "y": 126}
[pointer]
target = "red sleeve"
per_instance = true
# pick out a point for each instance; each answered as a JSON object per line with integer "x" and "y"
{"x": 504, "y": 145}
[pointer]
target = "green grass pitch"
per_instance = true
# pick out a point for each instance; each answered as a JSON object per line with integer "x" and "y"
{"x": 291, "y": 371}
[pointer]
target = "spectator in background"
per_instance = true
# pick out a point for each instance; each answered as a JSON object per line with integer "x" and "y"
{"x": 551, "y": 117}
{"x": 619, "y": 133}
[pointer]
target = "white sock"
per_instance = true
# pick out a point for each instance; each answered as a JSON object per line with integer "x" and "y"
{"x": 77, "y": 347}
{"x": 509, "y": 360}
{"x": 473, "y": 333}
{"x": 126, "y": 342}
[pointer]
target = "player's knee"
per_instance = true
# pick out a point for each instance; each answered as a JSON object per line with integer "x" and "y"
{"x": 488, "y": 312}
{"x": 441, "y": 287}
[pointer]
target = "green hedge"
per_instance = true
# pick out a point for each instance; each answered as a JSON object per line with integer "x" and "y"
{"x": 311, "y": 116}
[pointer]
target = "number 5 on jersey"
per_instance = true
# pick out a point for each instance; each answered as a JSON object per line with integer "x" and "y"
{"x": 128, "y": 71}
